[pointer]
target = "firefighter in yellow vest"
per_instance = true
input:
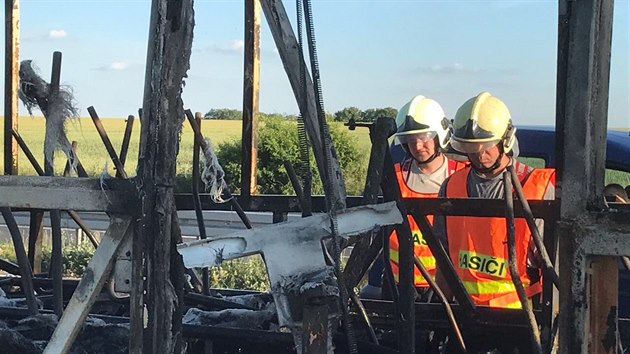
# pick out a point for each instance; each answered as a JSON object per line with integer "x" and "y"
{"x": 483, "y": 130}
{"x": 423, "y": 131}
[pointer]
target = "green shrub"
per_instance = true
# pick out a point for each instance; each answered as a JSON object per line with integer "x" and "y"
{"x": 242, "y": 273}
{"x": 75, "y": 257}
{"x": 278, "y": 141}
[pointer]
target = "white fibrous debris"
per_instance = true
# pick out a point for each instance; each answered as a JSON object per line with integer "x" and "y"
{"x": 35, "y": 93}
{"x": 212, "y": 174}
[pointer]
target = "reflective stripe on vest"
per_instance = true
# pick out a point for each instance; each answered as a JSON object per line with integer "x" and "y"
{"x": 478, "y": 245}
{"x": 421, "y": 249}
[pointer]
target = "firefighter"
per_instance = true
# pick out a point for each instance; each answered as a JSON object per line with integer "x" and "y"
{"x": 477, "y": 246}
{"x": 423, "y": 131}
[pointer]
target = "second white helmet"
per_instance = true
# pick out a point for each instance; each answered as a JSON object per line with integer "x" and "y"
{"x": 422, "y": 115}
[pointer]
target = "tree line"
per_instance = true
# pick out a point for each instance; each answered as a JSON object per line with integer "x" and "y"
{"x": 344, "y": 115}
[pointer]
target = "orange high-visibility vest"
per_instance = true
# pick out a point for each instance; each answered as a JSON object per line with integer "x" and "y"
{"x": 478, "y": 245}
{"x": 421, "y": 249}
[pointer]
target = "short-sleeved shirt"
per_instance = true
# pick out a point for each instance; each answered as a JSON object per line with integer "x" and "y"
{"x": 423, "y": 183}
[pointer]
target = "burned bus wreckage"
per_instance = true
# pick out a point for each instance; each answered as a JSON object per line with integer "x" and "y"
{"x": 146, "y": 291}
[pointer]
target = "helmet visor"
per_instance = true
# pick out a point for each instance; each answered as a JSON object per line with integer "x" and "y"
{"x": 413, "y": 138}
{"x": 471, "y": 147}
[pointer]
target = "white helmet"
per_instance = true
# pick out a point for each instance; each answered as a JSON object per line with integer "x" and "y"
{"x": 422, "y": 115}
{"x": 481, "y": 122}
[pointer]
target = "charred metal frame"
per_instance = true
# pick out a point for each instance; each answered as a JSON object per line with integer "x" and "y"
{"x": 589, "y": 234}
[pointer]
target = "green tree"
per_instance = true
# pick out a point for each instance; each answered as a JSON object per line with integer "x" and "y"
{"x": 371, "y": 114}
{"x": 348, "y": 113}
{"x": 224, "y": 113}
{"x": 278, "y": 141}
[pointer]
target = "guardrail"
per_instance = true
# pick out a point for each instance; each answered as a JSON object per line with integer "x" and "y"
{"x": 217, "y": 223}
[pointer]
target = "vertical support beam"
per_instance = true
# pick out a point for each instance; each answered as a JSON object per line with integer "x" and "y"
{"x": 550, "y": 306}
{"x": 251, "y": 81}
{"x": 11, "y": 78}
{"x": 406, "y": 289}
{"x": 35, "y": 236}
{"x": 584, "y": 61}
{"x": 56, "y": 267}
{"x": 168, "y": 60}
{"x": 380, "y": 131}
{"x": 573, "y": 329}
{"x": 585, "y": 36}
{"x": 136, "y": 299}
{"x": 196, "y": 180}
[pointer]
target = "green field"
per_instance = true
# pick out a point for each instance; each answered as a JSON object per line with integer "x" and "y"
{"x": 95, "y": 159}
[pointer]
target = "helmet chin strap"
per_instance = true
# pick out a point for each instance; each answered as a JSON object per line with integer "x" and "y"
{"x": 490, "y": 169}
{"x": 433, "y": 157}
{"x": 437, "y": 152}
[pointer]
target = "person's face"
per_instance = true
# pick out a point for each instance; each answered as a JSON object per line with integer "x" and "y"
{"x": 422, "y": 148}
{"x": 485, "y": 158}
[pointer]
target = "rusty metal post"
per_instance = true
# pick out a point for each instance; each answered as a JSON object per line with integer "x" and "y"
{"x": 251, "y": 81}
{"x": 11, "y": 81}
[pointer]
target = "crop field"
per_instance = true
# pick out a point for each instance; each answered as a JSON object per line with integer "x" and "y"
{"x": 94, "y": 158}
{"x": 93, "y": 155}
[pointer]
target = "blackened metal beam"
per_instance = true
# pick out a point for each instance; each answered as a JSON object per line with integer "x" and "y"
{"x": 379, "y": 133}
{"x": 406, "y": 290}
{"x": 196, "y": 179}
{"x": 25, "y": 268}
{"x": 585, "y": 38}
{"x": 546, "y": 209}
{"x": 56, "y": 261}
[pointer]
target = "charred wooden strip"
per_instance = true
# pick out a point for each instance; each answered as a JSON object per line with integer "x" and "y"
{"x": 124, "y": 148}
{"x": 120, "y": 169}
{"x": 79, "y": 194}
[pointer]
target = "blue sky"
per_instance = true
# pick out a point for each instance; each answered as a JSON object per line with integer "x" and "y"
{"x": 372, "y": 53}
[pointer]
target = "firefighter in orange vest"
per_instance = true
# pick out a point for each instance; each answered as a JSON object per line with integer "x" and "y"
{"x": 483, "y": 130}
{"x": 423, "y": 131}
